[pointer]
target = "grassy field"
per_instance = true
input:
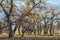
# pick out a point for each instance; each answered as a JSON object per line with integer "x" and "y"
{"x": 31, "y": 38}
{"x": 4, "y": 36}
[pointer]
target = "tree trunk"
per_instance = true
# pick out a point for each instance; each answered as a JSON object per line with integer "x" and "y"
{"x": 10, "y": 31}
{"x": 51, "y": 27}
{"x": 10, "y": 27}
{"x": 19, "y": 29}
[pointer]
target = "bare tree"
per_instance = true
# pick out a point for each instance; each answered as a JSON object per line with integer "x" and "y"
{"x": 4, "y": 7}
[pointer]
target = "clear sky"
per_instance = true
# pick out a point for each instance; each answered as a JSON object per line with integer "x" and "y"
{"x": 54, "y": 2}
{"x": 49, "y": 2}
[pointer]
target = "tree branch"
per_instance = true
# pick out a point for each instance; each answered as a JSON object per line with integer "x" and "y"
{"x": 4, "y": 9}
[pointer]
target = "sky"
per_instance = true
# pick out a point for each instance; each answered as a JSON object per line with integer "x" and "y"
{"x": 54, "y": 2}
{"x": 49, "y": 2}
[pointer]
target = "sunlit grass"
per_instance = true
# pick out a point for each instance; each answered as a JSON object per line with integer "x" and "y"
{"x": 4, "y": 34}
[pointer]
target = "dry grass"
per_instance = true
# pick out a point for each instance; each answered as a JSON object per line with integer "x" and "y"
{"x": 25, "y": 35}
{"x": 4, "y": 36}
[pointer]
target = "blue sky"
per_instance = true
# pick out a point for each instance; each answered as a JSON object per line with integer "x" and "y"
{"x": 49, "y": 2}
{"x": 54, "y": 2}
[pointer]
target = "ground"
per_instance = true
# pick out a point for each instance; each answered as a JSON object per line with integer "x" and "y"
{"x": 4, "y": 36}
{"x": 32, "y": 38}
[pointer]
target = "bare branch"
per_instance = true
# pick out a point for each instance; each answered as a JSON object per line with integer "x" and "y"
{"x": 2, "y": 1}
{"x": 4, "y": 9}
{"x": 11, "y": 7}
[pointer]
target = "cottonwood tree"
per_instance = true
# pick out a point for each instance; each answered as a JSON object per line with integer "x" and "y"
{"x": 51, "y": 18}
{"x": 27, "y": 12}
{"x": 28, "y": 8}
{"x": 19, "y": 18}
{"x": 7, "y": 6}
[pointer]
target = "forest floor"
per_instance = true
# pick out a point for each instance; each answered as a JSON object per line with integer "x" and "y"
{"x": 31, "y": 38}
{"x": 4, "y": 36}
